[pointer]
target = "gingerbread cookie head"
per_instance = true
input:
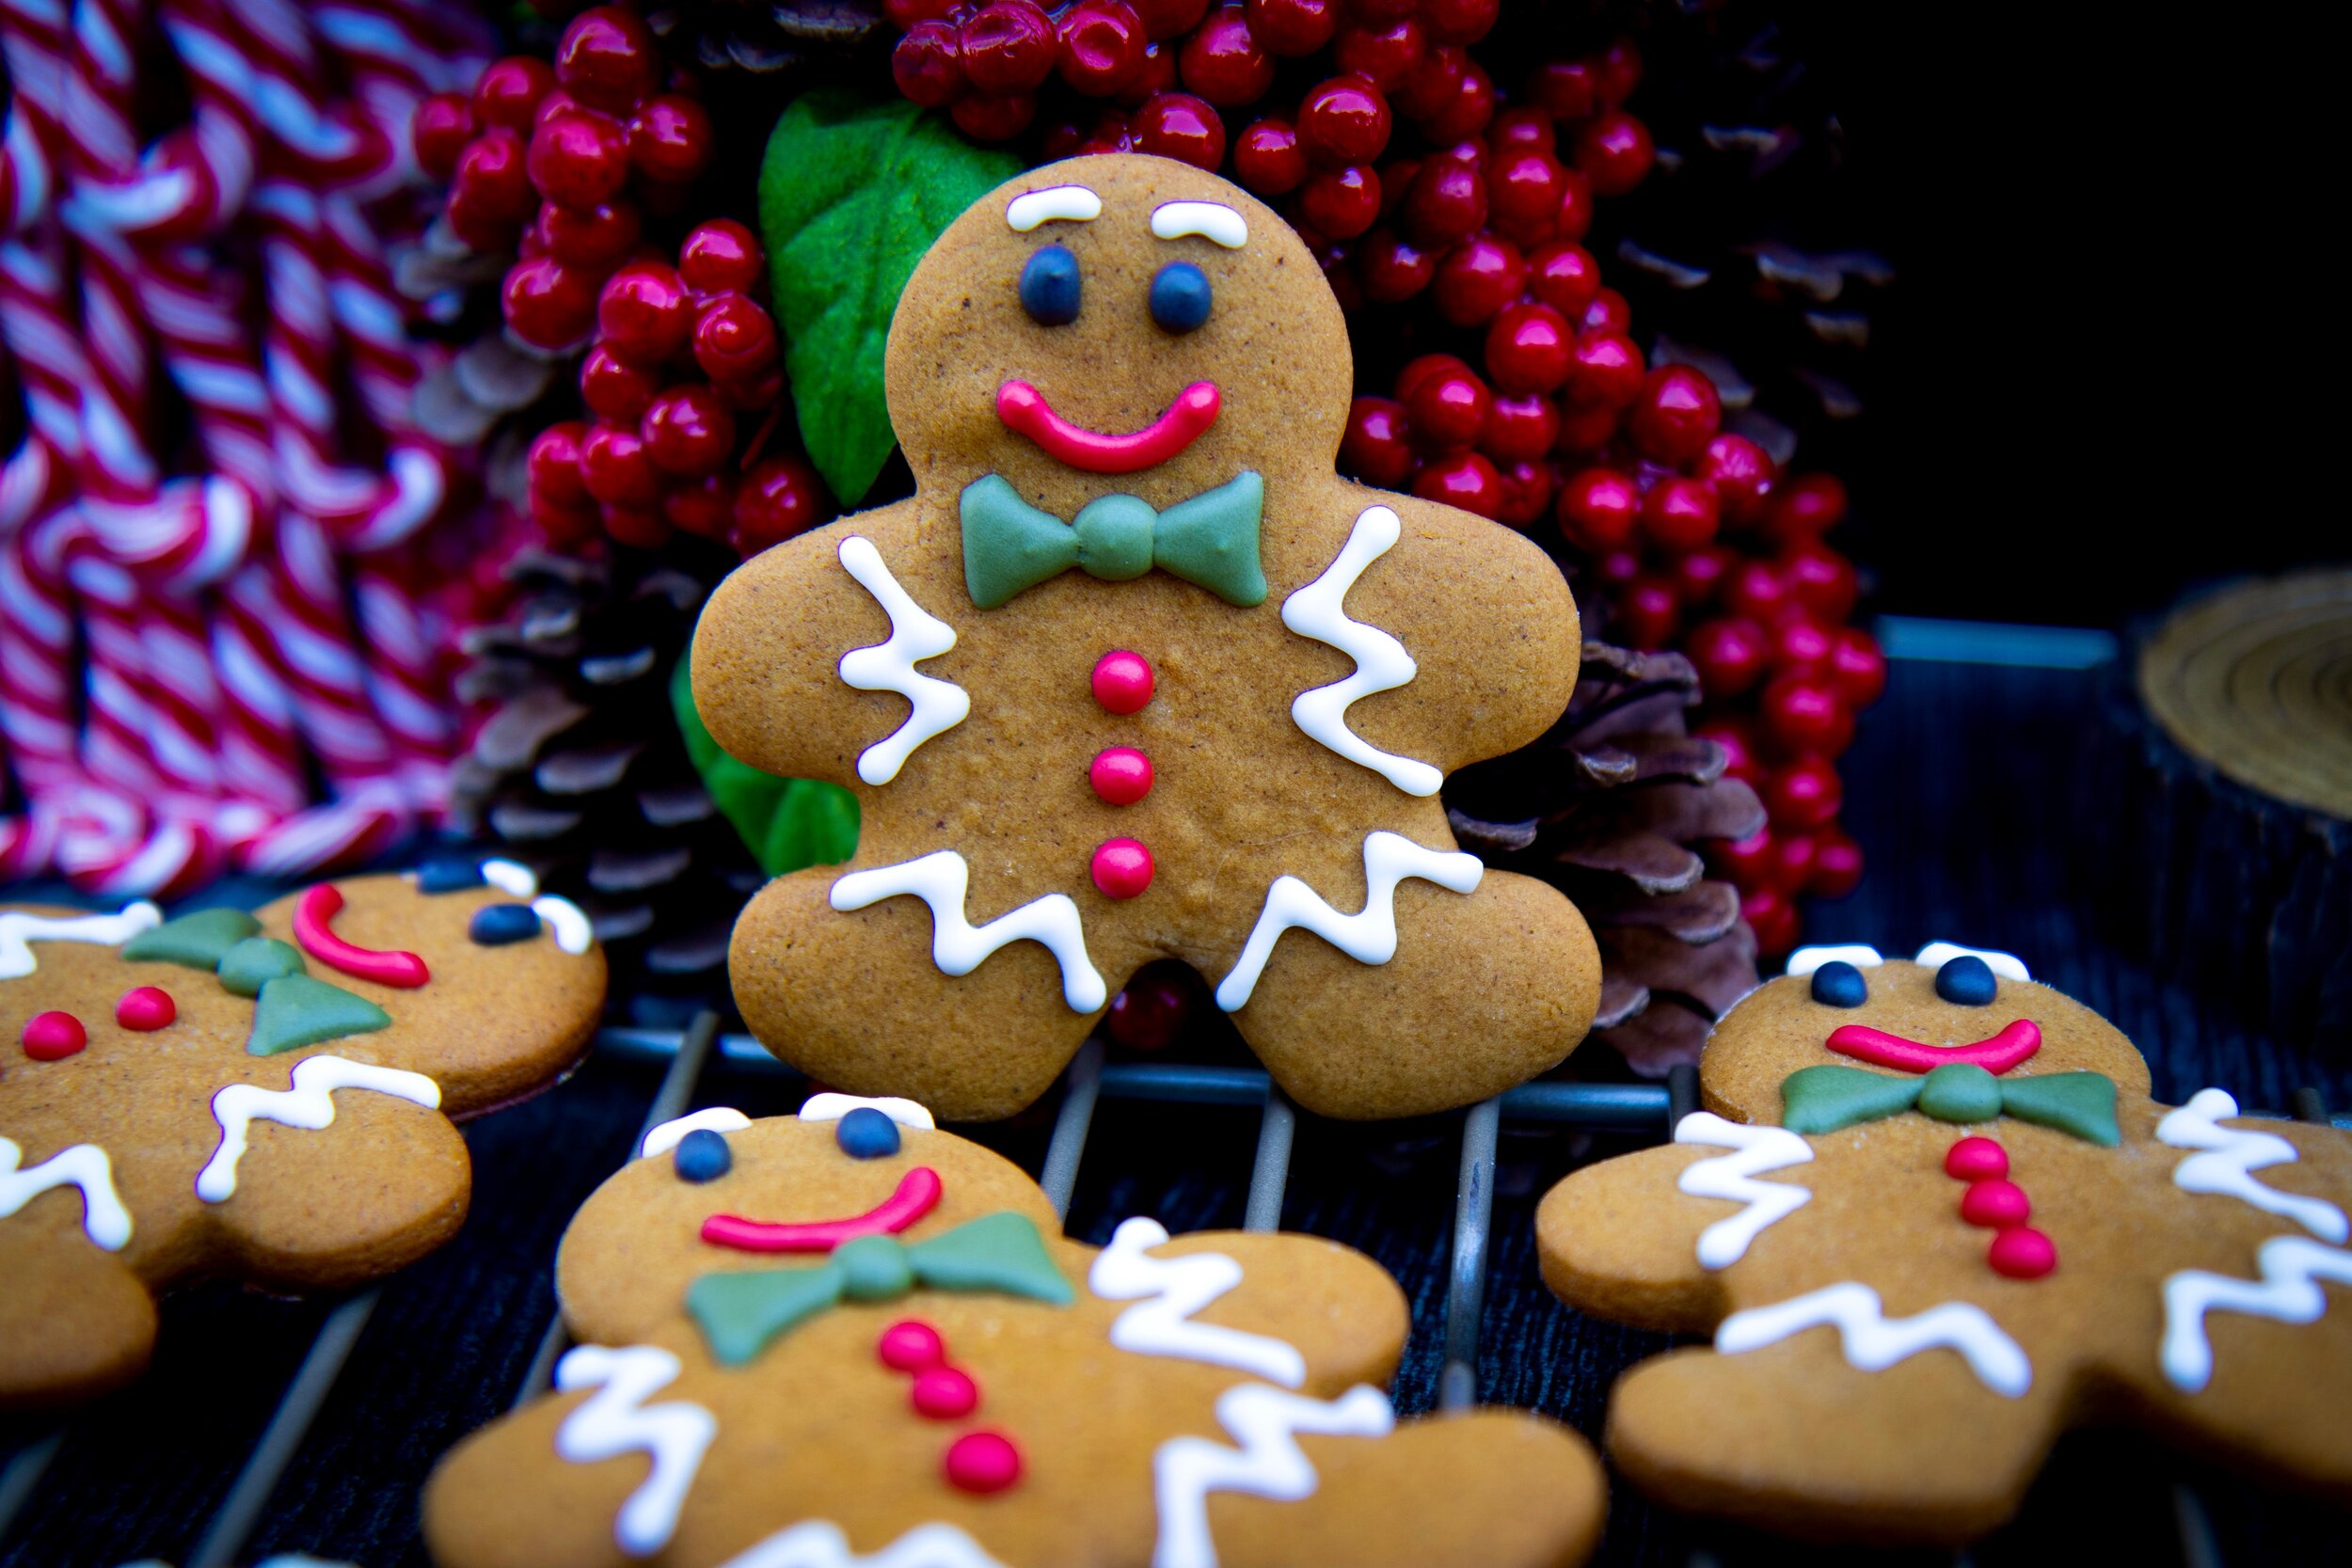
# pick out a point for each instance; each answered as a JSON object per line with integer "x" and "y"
{"x": 1933, "y": 1219}
{"x": 848, "y": 1335}
{"x": 265, "y": 1096}
{"x": 1135, "y": 674}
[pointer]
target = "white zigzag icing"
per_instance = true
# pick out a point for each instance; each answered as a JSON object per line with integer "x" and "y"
{"x": 19, "y": 928}
{"x": 1318, "y": 610}
{"x": 1757, "y": 1149}
{"x": 1177, "y": 1288}
{"x": 820, "y": 1544}
{"x": 308, "y": 1102}
{"x": 915, "y": 634}
{"x": 2292, "y": 1268}
{"x": 617, "y": 1421}
{"x": 2232, "y": 1154}
{"x": 940, "y": 880}
{"x": 1368, "y": 936}
{"x": 1268, "y": 1463}
{"x": 1873, "y": 1341}
{"x": 104, "y": 1220}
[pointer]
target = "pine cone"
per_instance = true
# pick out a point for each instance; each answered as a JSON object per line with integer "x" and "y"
{"x": 1606, "y": 807}
{"x": 762, "y": 37}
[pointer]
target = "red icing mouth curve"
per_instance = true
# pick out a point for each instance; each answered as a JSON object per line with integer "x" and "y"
{"x": 918, "y": 1195}
{"x": 1997, "y": 1056}
{"x": 1025, "y": 412}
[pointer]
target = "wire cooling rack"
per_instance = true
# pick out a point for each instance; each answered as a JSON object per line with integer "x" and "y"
{"x": 1641, "y": 1110}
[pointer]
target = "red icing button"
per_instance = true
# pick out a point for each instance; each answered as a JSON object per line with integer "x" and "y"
{"x": 54, "y": 1036}
{"x": 1121, "y": 775}
{"x": 909, "y": 1346}
{"x": 315, "y": 908}
{"x": 983, "y": 1462}
{"x": 1977, "y": 1160}
{"x": 1995, "y": 1204}
{"x": 143, "y": 1007}
{"x": 1122, "y": 682}
{"x": 2024, "y": 1253}
{"x": 1122, "y": 868}
{"x": 946, "y": 1394}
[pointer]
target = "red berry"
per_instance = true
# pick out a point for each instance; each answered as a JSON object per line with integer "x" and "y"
{"x": 671, "y": 139}
{"x": 1222, "y": 63}
{"x": 1619, "y": 71}
{"x": 1976, "y": 1160}
{"x": 1121, "y": 868}
{"x": 1390, "y": 271}
{"x": 1529, "y": 349}
{"x": 1267, "y": 159}
{"x": 607, "y": 59}
{"x": 1157, "y": 75}
{"x": 1448, "y": 408}
{"x": 1007, "y": 48}
{"x": 1344, "y": 120}
{"x": 578, "y": 159}
{"x": 719, "y": 255}
{"x": 2022, "y": 1253}
{"x": 1586, "y": 428}
{"x": 1728, "y": 653}
{"x": 734, "y": 340}
{"x": 1615, "y": 152}
{"x": 595, "y": 240}
{"x": 927, "y": 65}
{"x": 444, "y": 124}
{"x": 1617, "y": 570}
{"x": 688, "y": 431}
{"x": 1576, "y": 208}
{"x": 53, "y": 1037}
{"x": 1462, "y": 479}
{"x": 1564, "y": 277}
{"x": 1699, "y": 573}
{"x": 1429, "y": 84}
{"x": 547, "y": 305}
{"x": 1676, "y": 415}
{"x": 1421, "y": 367}
{"x": 1149, "y": 1013}
{"x": 1739, "y": 744}
{"x": 1804, "y": 794}
{"x": 568, "y": 525}
{"x": 1446, "y": 200}
{"x": 1822, "y": 582}
{"x": 703, "y": 506}
{"x": 1758, "y": 591}
{"x": 1772, "y": 918}
{"x": 640, "y": 528}
{"x": 1565, "y": 89}
{"x": 145, "y": 1008}
{"x": 1165, "y": 18}
{"x": 1459, "y": 22}
{"x": 1805, "y": 508}
{"x": 1383, "y": 54}
{"x": 494, "y": 178}
{"x": 779, "y": 498}
{"x": 1598, "y": 509}
{"x": 615, "y": 390}
{"x": 759, "y": 392}
{"x": 1524, "y": 187}
{"x": 992, "y": 118}
{"x": 617, "y": 469}
{"x": 1607, "y": 312}
{"x": 1801, "y": 645}
{"x": 1857, "y": 667}
{"x": 1520, "y": 429}
{"x": 1791, "y": 869}
{"x": 1381, "y": 10}
{"x": 1341, "y": 204}
{"x": 906, "y": 13}
{"x": 1605, "y": 370}
{"x": 1836, "y": 864}
{"x": 1805, "y": 714}
{"x": 1648, "y": 613}
{"x": 1477, "y": 278}
{"x": 1527, "y": 487}
{"x": 1099, "y": 47}
{"x": 1177, "y": 125}
{"x": 1521, "y": 130}
{"x": 1377, "y": 449}
{"x": 1292, "y": 27}
{"x": 1747, "y": 863}
{"x": 553, "y": 466}
{"x": 1742, "y": 474}
{"x": 1466, "y": 111}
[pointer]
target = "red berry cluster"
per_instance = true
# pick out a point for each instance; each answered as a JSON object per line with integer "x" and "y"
{"x": 679, "y": 353}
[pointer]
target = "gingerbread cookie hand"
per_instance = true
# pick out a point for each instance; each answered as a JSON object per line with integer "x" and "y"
{"x": 850, "y": 1337}
{"x": 261, "y": 1096}
{"x": 1134, "y": 675}
{"x": 1933, "y": 1219}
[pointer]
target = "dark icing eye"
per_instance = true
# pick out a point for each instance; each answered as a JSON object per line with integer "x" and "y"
{"x": 1840, "y": 984}
{"x": 702, "y": 1155}
{"x": 1180, "y": 297}
{"x": 1967, "y": 981}
{"x": 1049, "y": 286}
{"x": 866, "y": 1133}
{"x": 496, "y": 925}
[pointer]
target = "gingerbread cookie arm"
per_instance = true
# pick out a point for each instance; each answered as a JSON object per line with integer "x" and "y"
{"x": 813, "y": 659}
{"x": 476, "y": 1516}
{"x": 74, "y": 1321}
{"x": 1615, "y": 1241}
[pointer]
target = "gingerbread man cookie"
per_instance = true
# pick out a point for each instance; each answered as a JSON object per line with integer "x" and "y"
{"x": 265, "y": 1097}
{"x": 1933, "y": 1220}
{"x": 1134, "y": 675}
{"x": 848, "y": 1337}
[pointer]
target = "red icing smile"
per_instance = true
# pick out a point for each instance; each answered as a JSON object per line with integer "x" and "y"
{"x": 918, "y": 1195}
{"x": 1025, "y": 412}
{"x": 1997, "y": 1056}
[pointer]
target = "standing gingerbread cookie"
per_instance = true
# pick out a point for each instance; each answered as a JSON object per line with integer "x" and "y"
{"x": 265, "y": 1097}
{"x": 850, "y": 1337}
{"x": 1134, "y": 675}
{"x": 1933, "y": 1220}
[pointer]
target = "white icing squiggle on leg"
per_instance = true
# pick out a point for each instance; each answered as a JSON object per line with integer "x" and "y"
{"x": 19, "y": 930}
{"x": 2232, "y": 1154}
{"x": 1318, "y": 610}
{"x": 915, "y": 634}
{"x": 1173, "y": 1290}
{"x": 1268, "y": 1463}
{"x": 2288, "y": 1293}
{"x": 940, "y": 880}
{"x": 617, "y": 1421}
{"x": 1873, "y": 1341}
{"x": 1733, "y": 1176}
{"x": 306, "y": 1102}
{"x": 104, "y": 1220}
{"x": 1368, "y": 936}
{"x": 820, "y": 1544}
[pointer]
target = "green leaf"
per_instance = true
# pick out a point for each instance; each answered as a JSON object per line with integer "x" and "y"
{"x": 788, "y": 823}
{"x": 851, "y": 196}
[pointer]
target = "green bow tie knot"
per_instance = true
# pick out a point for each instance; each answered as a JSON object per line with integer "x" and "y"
{"x": 1826, "y": 1098}
{"x": 1210, "y": 541}
{"x": 740, "y": 1312}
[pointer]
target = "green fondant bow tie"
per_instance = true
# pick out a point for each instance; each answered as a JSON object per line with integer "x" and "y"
{"x": 1002, "y": 1252}
{"x": 1824, "y": 1098}
{"x": 1211, "y": 540}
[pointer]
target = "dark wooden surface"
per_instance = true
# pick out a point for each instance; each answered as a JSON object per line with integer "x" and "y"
{"x": 1962, "y": 796}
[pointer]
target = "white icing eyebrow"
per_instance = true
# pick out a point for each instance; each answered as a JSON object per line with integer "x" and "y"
{"x": 1069, "y": 203}
{"x": 1211, "y": 220}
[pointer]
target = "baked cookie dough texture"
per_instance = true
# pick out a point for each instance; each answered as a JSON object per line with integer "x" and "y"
{"x": 1134, "y": 674}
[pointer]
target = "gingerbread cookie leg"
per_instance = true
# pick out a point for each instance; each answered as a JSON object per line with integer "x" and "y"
{"x": 74, "y": 1322}
{"x": 1351, "y": 1036}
